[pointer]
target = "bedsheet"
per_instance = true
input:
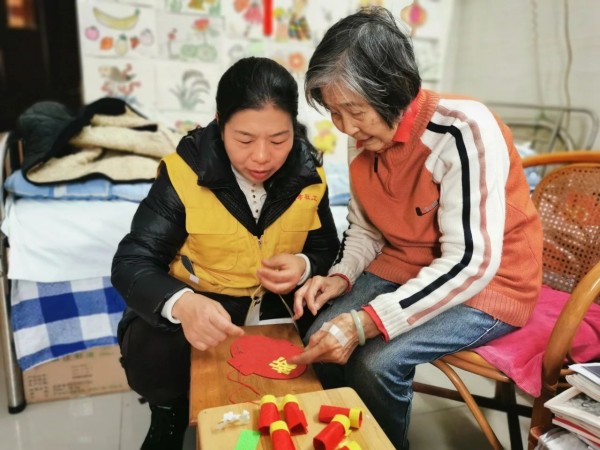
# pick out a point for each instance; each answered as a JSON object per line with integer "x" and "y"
{"x": 51, "y": 320}
{"x": 337, "y": 183}
{"x": 59, "y": 240}
{"x": 93, "y": 189}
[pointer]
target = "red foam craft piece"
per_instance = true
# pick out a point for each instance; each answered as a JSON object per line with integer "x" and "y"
{"x": 328, "y": 412}
{"x": 333, "y": 433}
{"x": 294, "y": 416}
{"x": 280, "y": 436}
{"x": 268, "y": 413}
{"x": 266, "y": 357}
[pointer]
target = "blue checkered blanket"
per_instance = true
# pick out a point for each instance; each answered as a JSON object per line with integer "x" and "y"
{"x": 51, "y": 320}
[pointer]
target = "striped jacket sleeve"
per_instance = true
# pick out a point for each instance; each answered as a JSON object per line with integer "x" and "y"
{"x": 362, "y": 242}
{"x": 469, "y": 160}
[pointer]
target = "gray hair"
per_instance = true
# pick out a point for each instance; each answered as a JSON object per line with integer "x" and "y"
{"x": 369, "y": 55}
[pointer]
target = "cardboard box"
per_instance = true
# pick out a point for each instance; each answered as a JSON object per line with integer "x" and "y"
{"x": 89, "y": 372}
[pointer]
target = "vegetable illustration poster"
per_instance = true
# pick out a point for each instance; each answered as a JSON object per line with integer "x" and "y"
{"x": 184, "y": 121}
{"x": 190, "y": 38}
{"x": 212, "y": 7}
{"x": 187, "y": 87}
{"x": 236, "y": 49}
{"x": 113, "y": 30}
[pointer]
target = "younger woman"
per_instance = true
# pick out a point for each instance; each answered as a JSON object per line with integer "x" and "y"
{"x": 240, "y": 210}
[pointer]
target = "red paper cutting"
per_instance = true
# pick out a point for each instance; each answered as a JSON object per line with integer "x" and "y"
{"x": 265, "y": 356}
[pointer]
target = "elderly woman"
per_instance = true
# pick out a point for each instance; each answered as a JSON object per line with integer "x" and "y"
{"x": 443, "y": 251}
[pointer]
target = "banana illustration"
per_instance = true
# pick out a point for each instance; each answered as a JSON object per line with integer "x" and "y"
{"x": 117, "y": 23}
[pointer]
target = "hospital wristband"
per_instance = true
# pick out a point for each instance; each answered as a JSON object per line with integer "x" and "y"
{"x": 359, "y": 327}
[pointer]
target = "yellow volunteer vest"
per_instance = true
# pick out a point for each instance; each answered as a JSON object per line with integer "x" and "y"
{"x": 225, "y": 256}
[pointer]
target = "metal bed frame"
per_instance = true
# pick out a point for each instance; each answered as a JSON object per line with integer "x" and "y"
{"x": 12, "y": 371}
{"x": 545, "y": 128}
{"x": 549, "y": 128}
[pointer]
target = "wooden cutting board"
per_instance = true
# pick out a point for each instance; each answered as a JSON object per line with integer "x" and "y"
{"x": 368, "y": 436}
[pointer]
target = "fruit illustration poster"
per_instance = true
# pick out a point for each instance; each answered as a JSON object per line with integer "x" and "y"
{"x": 148, "y": 3}
{"x": 131, "y": 80}
{"x": 114, "y": 30}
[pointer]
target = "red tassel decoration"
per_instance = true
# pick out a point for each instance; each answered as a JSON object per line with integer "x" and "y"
{"x": 268, "y": 17}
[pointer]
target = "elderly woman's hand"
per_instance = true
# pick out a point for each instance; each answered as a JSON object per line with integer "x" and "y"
{"x": 336, "y": 340}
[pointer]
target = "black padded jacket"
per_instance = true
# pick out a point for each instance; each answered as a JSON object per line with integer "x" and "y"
{"x": 140, "y": 270}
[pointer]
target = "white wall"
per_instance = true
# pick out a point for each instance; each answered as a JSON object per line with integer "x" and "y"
{"x": 496, "y": 47}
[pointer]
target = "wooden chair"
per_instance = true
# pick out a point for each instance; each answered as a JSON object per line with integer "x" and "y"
{"x": 568, "y": 200}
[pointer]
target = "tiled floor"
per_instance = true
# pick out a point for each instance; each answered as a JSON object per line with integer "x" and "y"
{"x": 119, "y": 422}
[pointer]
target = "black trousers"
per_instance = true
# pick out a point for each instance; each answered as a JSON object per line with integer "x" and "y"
{"x": 157, "y": 361}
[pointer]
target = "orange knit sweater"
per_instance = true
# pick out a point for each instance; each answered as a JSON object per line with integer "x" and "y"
{"x": 448, "y": 212}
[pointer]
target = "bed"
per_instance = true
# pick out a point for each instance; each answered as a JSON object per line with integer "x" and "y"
{"x": 72, "y": 183}
{"x": 548, "y": 128}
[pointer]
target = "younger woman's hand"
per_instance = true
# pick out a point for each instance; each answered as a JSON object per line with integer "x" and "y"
{"x": 204, "y": 321}
{"x": 281, "y": 273}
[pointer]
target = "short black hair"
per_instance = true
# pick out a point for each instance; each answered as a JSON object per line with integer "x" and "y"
{"x": 252, "y": 83}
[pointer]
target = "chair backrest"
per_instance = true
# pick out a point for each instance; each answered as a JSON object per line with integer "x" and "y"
{"x": 568, "y": 201}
